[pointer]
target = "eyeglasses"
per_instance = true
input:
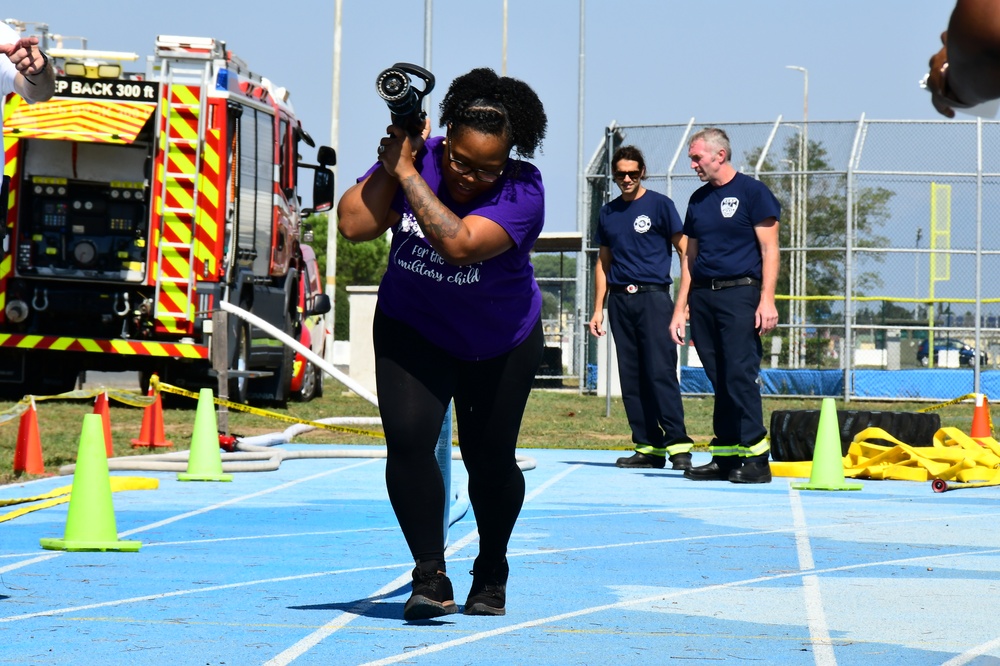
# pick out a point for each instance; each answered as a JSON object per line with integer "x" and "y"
{"x": 482, "y": 175}
{"x": 634, "y": 175}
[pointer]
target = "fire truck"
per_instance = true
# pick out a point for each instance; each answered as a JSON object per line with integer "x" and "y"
{"x": 138, "y": 202}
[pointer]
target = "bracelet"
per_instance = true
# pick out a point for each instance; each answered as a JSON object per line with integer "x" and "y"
{"x": 45, "y": 65}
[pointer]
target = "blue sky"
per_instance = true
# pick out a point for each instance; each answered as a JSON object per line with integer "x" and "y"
{"x": 647, "y": 61}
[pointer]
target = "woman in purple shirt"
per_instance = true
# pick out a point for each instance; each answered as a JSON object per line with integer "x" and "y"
{"x": 458, "y": 317}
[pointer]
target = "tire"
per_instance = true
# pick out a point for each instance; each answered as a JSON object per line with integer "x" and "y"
{"x": 283, "y": 384}
{"x": 239, "y": 387}
{"x": 793, "y": 432}
{"x": 310, "y": 378}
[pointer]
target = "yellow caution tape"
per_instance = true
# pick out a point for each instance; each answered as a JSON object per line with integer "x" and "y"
{"x": 62, "y": 495}
{"x": 955, "y": 401}
{"x": 136, "y": 399}
{"x": 256, "y": 411}
{"x": 125, "y": 396}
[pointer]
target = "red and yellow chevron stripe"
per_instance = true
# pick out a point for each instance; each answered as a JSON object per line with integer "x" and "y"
{"x": 99, "y": 346}
{"x": 12, "y": 154}
{"x": 179, "y": 145}
{"x": 78, "y": 120}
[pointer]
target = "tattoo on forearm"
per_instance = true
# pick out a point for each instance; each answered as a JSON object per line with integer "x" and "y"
{"x": 434, "y": 218}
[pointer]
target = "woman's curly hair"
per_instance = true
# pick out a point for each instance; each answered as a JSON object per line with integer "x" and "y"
{"x": 496, "y": 105}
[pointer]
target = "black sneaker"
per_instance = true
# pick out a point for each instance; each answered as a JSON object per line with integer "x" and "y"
{"x": 488, "y": 595}
{"x": 645, "y": 460}
{"x": 432, "y": 594}
{"x": 681, "y": 461}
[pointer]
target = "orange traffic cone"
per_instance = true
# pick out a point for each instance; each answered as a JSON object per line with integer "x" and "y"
{"x": 982, "y": 425}
{"x": 28, "y": 452}
{"x": 151, "y": 433}
{"x": 101, "y": 407}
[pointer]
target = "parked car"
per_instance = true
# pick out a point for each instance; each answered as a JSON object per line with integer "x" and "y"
{"x": 307, "y": 378}
{"x": 966, "y": 354}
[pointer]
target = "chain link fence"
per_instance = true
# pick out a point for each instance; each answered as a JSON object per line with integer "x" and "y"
{"x": 888, "y": 287}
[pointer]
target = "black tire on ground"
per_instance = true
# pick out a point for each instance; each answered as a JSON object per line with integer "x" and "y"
{"x": 239, "y": 387}
{"x": 309, "y": 378}
{"x": 793, "y": 432}
{"x": 319, "y": 381}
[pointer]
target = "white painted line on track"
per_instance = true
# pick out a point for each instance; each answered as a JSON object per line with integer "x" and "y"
{"x": 243, "y": 498}
{"x": 196, "y": 590}
{"x": 819, "y": 629}
{"x": 312, "y": 640}
{"x": 27, "y": 563}
{"x": 35, "y": 560}
{"x": 969, "y": 655}
{"x": 256, "y": 537}
{"x": 430, "y": 649}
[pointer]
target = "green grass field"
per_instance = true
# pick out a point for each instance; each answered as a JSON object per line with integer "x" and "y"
{"x": 553, "y": 419}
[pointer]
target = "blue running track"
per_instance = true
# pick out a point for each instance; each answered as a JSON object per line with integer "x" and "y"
{"x": 306, "y": 565}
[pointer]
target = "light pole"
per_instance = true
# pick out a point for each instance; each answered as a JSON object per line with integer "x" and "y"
{"x": 503, "y": 60}
{"x": 916, "y": 272}
{"x": 803, "y": 199}
{"x": 793, "y": 287}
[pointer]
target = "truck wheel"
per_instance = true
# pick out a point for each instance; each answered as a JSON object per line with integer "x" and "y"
{"x": 311, "y": 383}
{"x": 239, "y": 386}
{"x": 319, "y": 381}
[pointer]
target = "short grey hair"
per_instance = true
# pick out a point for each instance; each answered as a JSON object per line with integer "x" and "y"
{"x": 714, "y": 138}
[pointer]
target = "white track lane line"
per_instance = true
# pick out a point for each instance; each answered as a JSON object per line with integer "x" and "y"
{"x": 237, "y": 500}
{"x": 819, "y": 630}
{"x": 430, "y": 649}
{"x": 28, "y": 563}
{"x": 969, "y": 655}
{"x": 312, "y": 640}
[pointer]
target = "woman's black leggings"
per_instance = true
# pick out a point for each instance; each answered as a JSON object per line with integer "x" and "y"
{"x": 416, "y": 381}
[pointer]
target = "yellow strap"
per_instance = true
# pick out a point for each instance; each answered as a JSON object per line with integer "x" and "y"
{"x": 63, "y": 494}
{"x": 953, "y": 455}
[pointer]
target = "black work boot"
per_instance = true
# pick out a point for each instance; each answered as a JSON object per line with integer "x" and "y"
{"x": 432, "y": 593}
{"x": 642, "y": 460}
{"x": 488, "y": 594}
{"x": 680, "y": 461}
{"x": 718, "y": 469}
{"x": 754, "y": 470}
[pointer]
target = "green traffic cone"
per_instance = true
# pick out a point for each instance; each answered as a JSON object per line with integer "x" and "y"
{"x": 828, "y": 460}
{"x": 90, "y": 521}
{"x": 204, "y": 459}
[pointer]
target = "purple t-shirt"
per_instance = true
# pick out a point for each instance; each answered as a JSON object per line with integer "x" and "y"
{"x": 477, "y": 311}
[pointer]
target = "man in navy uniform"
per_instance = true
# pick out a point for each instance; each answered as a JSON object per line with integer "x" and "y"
{"x": 728, "y": 279}
{"x": 634, "y": 233}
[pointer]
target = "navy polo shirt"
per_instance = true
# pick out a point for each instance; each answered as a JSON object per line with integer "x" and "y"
{"x": 638, "y": 233}
{"x": 722, "y": 220}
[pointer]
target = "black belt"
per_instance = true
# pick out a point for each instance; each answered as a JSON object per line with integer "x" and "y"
{"x": 636, "y": 288}
{"x": 715, "y": 284}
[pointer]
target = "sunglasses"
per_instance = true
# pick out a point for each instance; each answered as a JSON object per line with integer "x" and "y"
{"x": 634, "y": 175}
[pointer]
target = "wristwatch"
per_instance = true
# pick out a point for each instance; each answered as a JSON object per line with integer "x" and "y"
{"x": 45, "y": 65}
